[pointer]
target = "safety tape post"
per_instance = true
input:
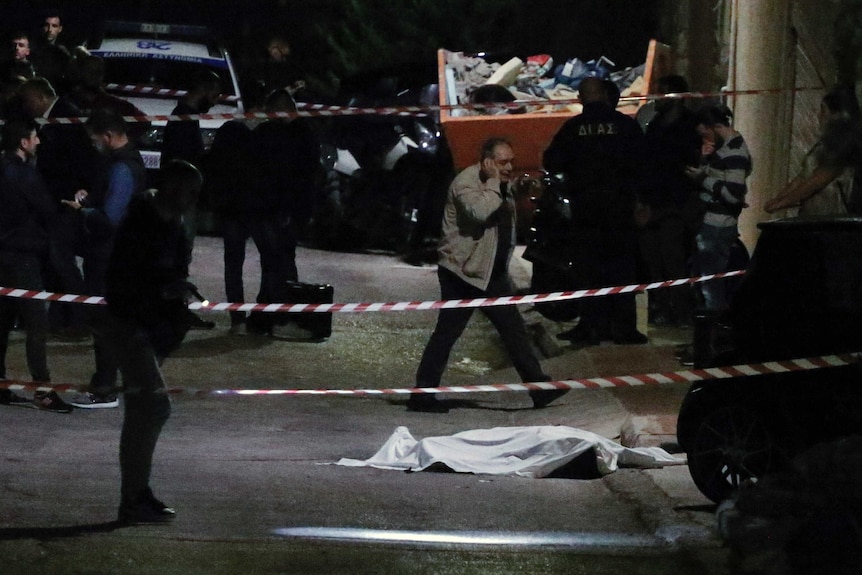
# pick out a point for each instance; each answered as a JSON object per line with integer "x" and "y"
{"x": 387, "y": 306}
{"x": 607, "y": 382}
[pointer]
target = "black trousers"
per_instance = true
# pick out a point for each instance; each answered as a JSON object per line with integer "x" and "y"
{"x": 452, "y": 322}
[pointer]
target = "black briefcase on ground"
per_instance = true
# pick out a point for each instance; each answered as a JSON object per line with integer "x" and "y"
{"x": 317, "y": 323}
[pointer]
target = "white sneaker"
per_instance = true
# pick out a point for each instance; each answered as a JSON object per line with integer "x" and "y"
{"x": 95, "y": 401}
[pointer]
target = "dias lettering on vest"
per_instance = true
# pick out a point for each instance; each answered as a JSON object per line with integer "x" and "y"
{"x": 600, "y": 129}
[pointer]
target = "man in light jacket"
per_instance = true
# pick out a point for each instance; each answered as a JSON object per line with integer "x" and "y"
{"x": 477, "y": 242}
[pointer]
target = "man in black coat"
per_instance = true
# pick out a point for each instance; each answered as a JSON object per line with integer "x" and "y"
{"x": 600, "y": 153}
{"x": 183, "y": 141}
{"x": 147, "y": 296}
{"x": 24, "y": 220}
{"x": 288, "y": 162}
{"x": 68, "y": 163}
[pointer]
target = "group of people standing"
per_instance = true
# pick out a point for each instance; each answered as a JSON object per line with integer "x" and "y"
{"x": 669, "y": 195}
{"x": 633, "y": 193}
{"x": 82, "y": 191}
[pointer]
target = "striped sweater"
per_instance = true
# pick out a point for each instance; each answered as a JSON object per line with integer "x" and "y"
{"x": 723, "y": 182}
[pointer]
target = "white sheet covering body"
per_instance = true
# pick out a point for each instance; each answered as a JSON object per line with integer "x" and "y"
{"x": 524, "y": 451}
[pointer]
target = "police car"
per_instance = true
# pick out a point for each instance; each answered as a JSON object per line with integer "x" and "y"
{"x": 151, "y": 66}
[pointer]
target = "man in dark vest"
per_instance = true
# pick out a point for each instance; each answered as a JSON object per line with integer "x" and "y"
{"x": 600, "y": 153}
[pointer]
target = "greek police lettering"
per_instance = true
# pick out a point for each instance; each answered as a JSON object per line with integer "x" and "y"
{"x": 600, "y": 129}
{"x": 154, "y": 44}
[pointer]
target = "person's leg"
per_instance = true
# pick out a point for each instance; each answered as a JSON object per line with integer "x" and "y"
{"x": 674, "y": 249}
{"x": 147, "y": 408}
{"x": 25, "y": 272}
{"x": 509, "y": 323}
{"x": 289, "y": 237}
{"x": 266, "y": 237}
{"x": 8, "y": 310}
{"x": 649, "y": 245}
{"x": 235, "y": 234}
{"x": 450, "y": 325}
{"x": 713, "y": 253}
{"x": 64, "y": 274}
{"x": 103, "y": 382}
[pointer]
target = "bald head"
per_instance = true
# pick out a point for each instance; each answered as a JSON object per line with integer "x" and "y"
{"x": 592, "y": 90}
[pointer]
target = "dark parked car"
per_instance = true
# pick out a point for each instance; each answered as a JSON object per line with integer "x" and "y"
{"x": 801, "y": 297}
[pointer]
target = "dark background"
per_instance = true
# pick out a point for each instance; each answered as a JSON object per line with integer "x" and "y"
{"x": 332, "y": 39}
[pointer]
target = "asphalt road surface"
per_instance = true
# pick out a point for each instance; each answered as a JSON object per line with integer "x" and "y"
{"x": 252, "y": 476}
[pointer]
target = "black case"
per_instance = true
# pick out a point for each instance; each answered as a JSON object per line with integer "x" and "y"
{"x": 320, "y": 324}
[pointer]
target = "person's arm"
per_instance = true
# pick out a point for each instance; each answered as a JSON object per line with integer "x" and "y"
{"x": 802, "y": 188}
{"x": 121, "y": 186}
{"x": 723, "y": 179}
{"x": 478, "y": 202}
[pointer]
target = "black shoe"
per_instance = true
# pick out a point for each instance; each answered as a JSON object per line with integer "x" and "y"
{"x": 197, "y": 322}
{"x": 686, "y": 358}
{"x": 9, "y": 397}
{"x": 542, "y": 397}
{"x": 426, "y": 404}
{"x": 145, "y": 509}
{"x": 683, "y": 349}
{"x": 50, "y": 401}
{"x": 633, "y": 337}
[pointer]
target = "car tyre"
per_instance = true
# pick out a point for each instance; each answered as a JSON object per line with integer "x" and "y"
{"x": 731, "y": 445}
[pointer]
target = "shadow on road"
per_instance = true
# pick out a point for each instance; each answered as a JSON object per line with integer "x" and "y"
{"x": 48, "y": 533}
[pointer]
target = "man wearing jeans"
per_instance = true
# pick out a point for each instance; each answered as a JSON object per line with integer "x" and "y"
{"x": 727, "y": 164}
{"x": 146, "y": 293}
{"x": 478, "y": 237}
{"x": 102, "y": 209}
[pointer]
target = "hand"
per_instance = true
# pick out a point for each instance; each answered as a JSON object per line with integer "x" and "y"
{"x": 72, "y": 204}
{"x": 78, "y": 202}
{"x": 692, "y": 172}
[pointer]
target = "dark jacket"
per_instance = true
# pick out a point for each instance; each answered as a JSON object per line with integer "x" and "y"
{"x": 27, "y": 207}
{"x": 146, "y": 272}
{"x": 67, "y": 159}
{"x": 289, "y": 159}
{"x": 183, "y": 139}
{"x": 231, "y": 172}
{"x": 600, "y": 149}
{"x": 671, "y": 146}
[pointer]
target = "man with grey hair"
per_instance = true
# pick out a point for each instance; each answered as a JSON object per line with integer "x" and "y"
{"x": 477, "y": 242}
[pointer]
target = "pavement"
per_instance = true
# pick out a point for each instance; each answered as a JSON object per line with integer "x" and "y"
{"x": 253, "y": 478}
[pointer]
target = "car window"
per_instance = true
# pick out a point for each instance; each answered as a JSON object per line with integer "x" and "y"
{"x": 172, "y": 75}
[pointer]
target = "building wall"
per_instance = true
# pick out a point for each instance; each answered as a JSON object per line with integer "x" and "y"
{"x": 791, "y": 51}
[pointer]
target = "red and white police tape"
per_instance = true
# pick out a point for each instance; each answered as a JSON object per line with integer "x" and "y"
{"x": 389, "y": 306}
{"x": 610, "y": 382}
{"x": 321, "y": 110}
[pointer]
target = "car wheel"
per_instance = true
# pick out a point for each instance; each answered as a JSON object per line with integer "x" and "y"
{"x": 732, "y": 445}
